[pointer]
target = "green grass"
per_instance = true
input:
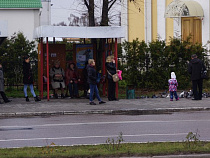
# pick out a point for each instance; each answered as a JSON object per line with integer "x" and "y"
{"x": 127, "y": 149}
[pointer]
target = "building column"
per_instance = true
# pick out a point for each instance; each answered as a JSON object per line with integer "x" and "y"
{"x": 154, "y": 20}
{"x": 169, "y": 29}
{"x": 124, "y": 18}
{"x": 161, "y": 22}
{"x": 148, "y": 20}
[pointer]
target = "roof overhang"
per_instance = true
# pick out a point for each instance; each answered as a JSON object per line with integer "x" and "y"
{"x": 184, "y": 8}
{"x": 79, "y": 32}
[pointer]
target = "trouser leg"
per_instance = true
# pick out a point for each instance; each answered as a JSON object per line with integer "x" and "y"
{"x": 32, "y": 90}
{"x": 4, "y": 96}
{"x": 200, "y": 88}
{"x": 97, "y": 93}
{"x": 171, "y": 95}
{"x": 25, "y": 90}
{"x": 195, "y": 92}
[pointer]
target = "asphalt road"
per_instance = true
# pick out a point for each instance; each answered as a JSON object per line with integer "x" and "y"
{"x": 96, "y": 129}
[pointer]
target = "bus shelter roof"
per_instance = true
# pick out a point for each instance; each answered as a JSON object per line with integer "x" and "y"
{"x": 79, "y": 32}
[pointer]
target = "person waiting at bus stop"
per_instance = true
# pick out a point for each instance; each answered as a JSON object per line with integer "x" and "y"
{"x": 72, "y": 79}
{"x": 57, "y": 75}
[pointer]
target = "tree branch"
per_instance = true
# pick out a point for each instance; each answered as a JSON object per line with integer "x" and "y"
{"x": 112, "y": 1}
{"x": 86, "y": 3}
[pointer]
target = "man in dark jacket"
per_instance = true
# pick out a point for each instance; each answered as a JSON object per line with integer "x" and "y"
{"x": 196, "y": 66}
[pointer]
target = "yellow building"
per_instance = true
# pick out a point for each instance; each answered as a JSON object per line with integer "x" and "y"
{"x": 161, "y": 19}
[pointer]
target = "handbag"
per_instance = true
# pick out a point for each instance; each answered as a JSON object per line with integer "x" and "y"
{"x": 115, "y": 77}
{"x": 204, "y": 75}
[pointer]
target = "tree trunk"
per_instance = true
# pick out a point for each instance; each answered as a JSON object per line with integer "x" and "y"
{"x": 105, "y": 20}
{"x": 91, "y": 13}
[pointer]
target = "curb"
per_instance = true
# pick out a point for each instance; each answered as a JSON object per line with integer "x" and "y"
{"x": 108, "y": 112}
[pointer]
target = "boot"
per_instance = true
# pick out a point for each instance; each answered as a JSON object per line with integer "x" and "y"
{"x": 56, "y": 96}
{"x": 36, "y": 99}
{"x": 62, "y": 96}
{"x": 27, "y": 99}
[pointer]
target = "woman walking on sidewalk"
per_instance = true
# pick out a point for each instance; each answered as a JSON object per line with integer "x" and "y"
{"x": 28, "y": 79}
{"x": 92, "y": 82}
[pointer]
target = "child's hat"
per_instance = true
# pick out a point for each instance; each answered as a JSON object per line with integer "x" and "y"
{"x": 173, "y": 75}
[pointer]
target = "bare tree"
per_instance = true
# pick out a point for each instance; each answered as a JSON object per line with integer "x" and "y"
{"x": 90, "y": 7}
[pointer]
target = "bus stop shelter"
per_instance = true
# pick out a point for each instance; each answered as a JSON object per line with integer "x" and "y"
{"x": 105, "y": 32}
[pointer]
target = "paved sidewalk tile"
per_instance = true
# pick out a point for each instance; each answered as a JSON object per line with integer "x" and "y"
{"x": 19, "y": 107}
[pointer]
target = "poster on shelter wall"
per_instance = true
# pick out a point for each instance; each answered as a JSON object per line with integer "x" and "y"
{"x": 84, "y": 52}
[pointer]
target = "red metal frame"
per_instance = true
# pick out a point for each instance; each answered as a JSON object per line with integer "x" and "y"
{"x": 115, "y": 54}
{"x": 48, "y": 80}
{"x": 104, "y": 67}
{"x": 47, "y": 56}
{"x": 42, "y": 72}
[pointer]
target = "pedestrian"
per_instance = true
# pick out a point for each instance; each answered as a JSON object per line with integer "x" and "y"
{"x": 92, "y": 82}
{"x": 195, "y": 68}
{"x": 111, "y": 70}
{"x": 57, "y": 75}
{"x": 72, "y": 79}
{"x": 3, "y": 95}
{"x": 173, "y": 84}
{"x": 28, "y": 79}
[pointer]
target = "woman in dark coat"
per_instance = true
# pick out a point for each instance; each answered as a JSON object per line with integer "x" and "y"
{"x": 92, "y": 82}
{"x": 28, "y": 79}
{"x": 4, "y": 97}
{"x": 72, "y": 79}
{"x": 111, "y": 69}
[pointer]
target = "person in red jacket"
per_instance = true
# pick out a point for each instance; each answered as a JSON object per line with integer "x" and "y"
{"x": 72, "y": 79}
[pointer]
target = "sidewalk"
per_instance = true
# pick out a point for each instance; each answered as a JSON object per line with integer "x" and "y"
{"x": 20, "y": 108}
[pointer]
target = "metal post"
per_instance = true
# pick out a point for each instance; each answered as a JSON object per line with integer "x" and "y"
{"x": 42, "y": 71}
{"x": 115, "y": 54}
{"x": 48, "y": 80}
{"x": 104, "y": 68}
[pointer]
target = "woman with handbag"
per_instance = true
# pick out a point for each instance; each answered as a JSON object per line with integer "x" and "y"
{"x": 111, "y": 70}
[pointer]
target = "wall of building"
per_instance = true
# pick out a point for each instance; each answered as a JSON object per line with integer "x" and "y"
{"x": 3, "y": 29}
{"x": 136, "y": 21}
{"x": 124, "y": 18}
{"x": 169, "y": 25}
{"x": 150, "y": 24}
{"x": 45, "y": 13}
{"x": 205, "y": 21}
{"x": 22, "y": 20}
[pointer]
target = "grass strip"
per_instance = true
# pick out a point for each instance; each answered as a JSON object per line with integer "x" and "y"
{"x": 108, "y": 150}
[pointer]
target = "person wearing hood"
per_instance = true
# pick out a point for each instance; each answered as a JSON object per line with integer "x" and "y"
{"x": 195, "y": 67}
{"x": 173, "y": 87}
{"x": 28, "y": 78}
{"x": 57, "y": 75}
{"x": 72, "y": 79}
{"x": 111, "y": 70}
{"x": 3, "y": 95}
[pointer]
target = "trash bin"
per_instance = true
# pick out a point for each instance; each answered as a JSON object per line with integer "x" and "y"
{"x": 130, "y": 92}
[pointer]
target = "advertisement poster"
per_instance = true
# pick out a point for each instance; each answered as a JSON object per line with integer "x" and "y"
{"x": 84, "y": 52}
